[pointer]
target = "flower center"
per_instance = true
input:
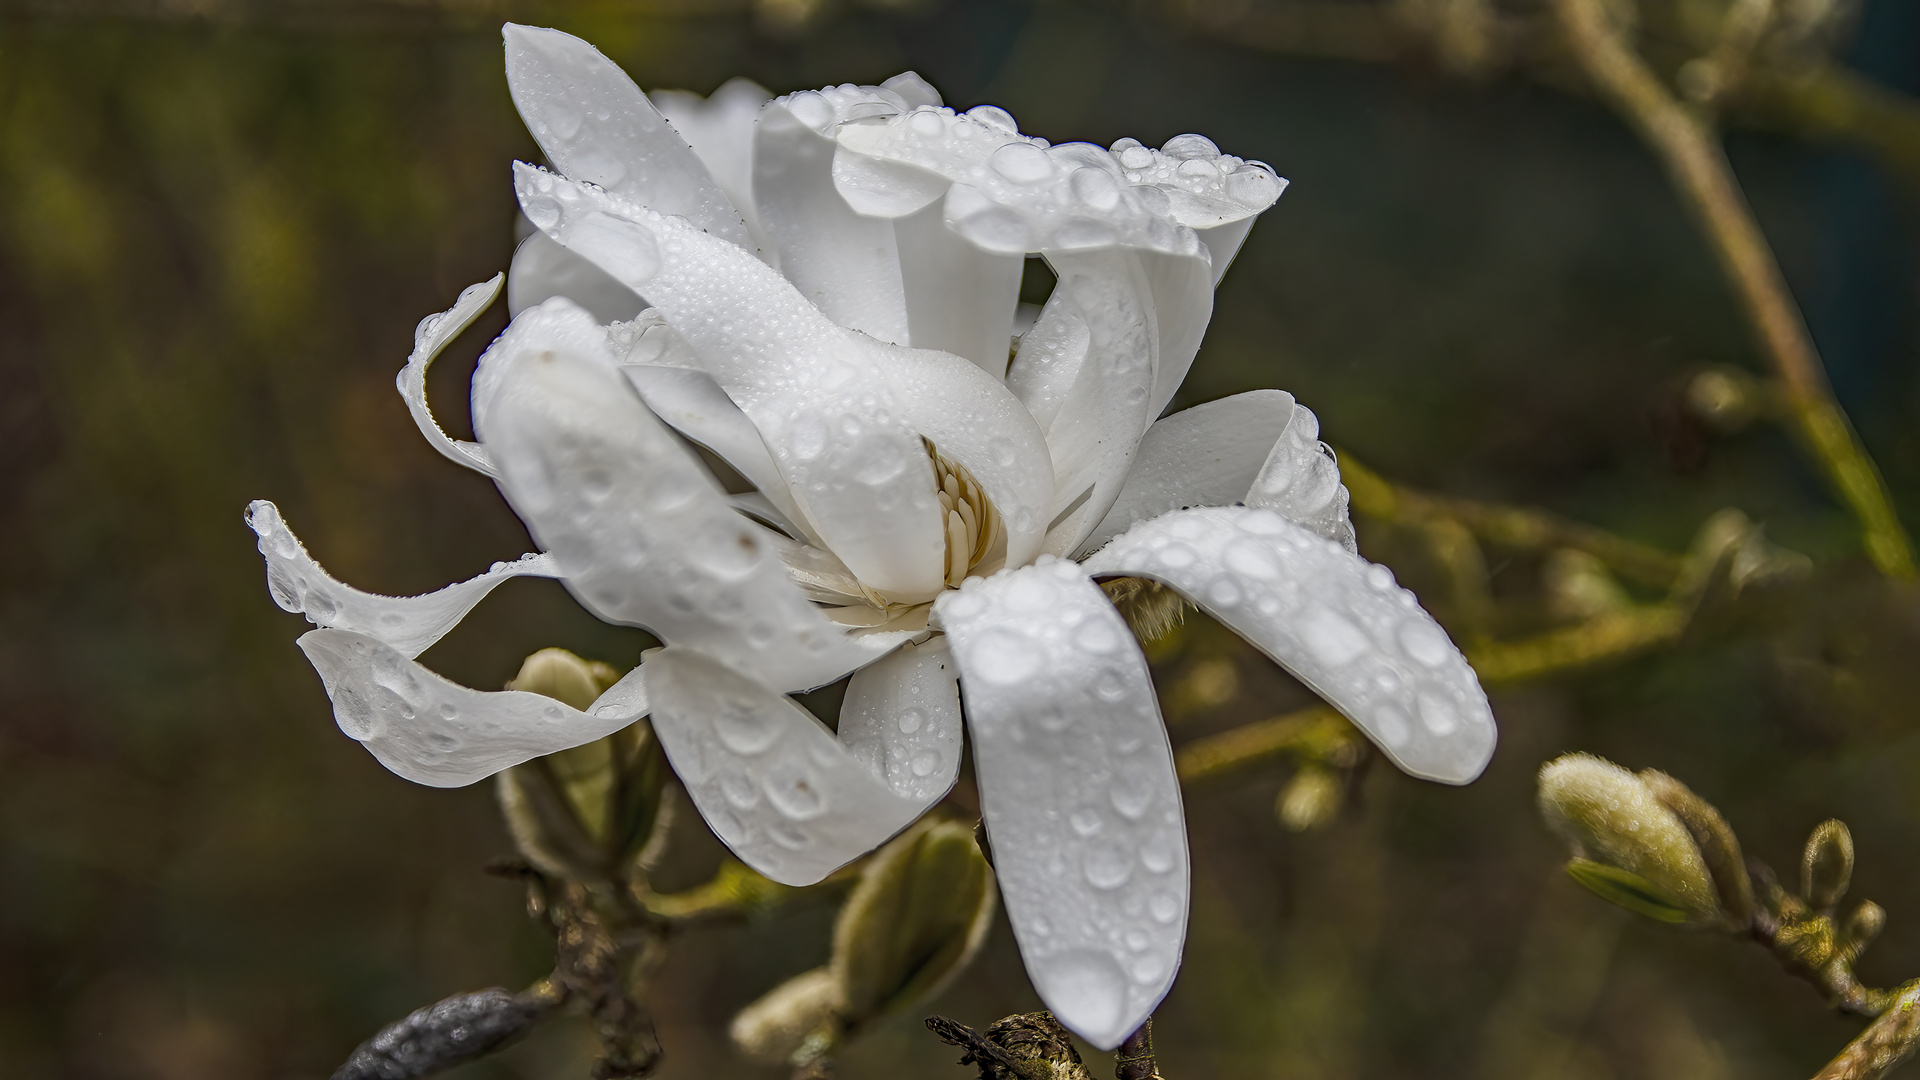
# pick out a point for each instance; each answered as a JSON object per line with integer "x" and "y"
{"x": 972, "y": 523}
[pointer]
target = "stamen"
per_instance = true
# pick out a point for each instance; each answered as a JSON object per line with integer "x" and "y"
{"x": 973, "y": 525}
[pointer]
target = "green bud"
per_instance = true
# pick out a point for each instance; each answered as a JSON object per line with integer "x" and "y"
{"x": 1719, "y": 847}
{"x": 1609, "y": 817}
{"x": 1863, "y": 926}
{"x": 1579, "y": 586}
{"x": 791, "y": 1016}
{"x": 587, "y": 812}
{"x": 920, "y": 912}
{"x": 1311, "y": 800}
{"x": 1826, "y": 869}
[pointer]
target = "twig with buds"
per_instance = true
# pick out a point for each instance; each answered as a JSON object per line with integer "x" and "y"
{"x": 1649, "y": 844}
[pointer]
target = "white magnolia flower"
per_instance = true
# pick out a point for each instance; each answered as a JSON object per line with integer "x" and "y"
{"x": 915, "y": 494}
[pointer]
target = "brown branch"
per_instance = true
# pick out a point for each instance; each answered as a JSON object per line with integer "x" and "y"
{"x": 1507, "y": 526}
{"x": 1698, "y": 166}
{"x": 1317, "y": 733}
{"x": 1134, "y": 1059}
{"x": 1887, "y": 1042}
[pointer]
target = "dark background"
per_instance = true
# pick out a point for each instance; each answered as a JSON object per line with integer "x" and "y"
{"x": 220, "y": 222}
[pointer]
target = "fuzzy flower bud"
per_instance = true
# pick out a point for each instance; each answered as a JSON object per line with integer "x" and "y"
{"x": 1628, "y": 847}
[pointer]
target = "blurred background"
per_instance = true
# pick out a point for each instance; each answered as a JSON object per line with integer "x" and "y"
{"x": 221, "y": 219}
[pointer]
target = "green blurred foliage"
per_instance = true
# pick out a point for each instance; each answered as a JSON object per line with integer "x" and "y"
{"x": 221, "y": 222}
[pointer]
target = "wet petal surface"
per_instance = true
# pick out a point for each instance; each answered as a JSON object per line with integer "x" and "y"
{"x": 408, "y": 624}
{"x": 775, "y": 785}
{"x": 436, "y": 732}
{"x": 1335, "y": 621}
{"x": 637, "y": 526}
{"x": 1204, "y": 456}
{"x": 595, "y": 125}
{"x": 901, "y": 718}
{"x": 1300, "y": 481}
{"x": 431, "y": 336}
{"x": 1078, "y": 791}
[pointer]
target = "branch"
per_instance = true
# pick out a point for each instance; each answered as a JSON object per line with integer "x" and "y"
{"x": 1699, "y": 169}
{"x": 1887, "y": 1042}
{"x": 1508, "y": 526}
{"x": 1316, "y": 734}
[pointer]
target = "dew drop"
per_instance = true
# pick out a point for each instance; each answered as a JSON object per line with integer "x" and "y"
{"x": 740, "y": 790}
{"x": 1424, "y": 642}
{"x": 1164, "y": 907}
{"x": 995, "y": 117}
{"x": 1136, "y": 157}
{"x": 925, "y": 762}
{"x": 1189, "y": 147}
{"x": 1438, "y": 715}
{"x": 1084, "y": 822}
{"x": 911, "y": 720}
{"x": 1005, "y": 657}
{"x": 1107, "y": 865}
{"x": 745, "y": 729}
{"x": 1022, "y": 163}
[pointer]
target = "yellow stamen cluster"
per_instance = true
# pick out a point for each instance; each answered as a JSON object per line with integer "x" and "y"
{"x": 972, "y": 522}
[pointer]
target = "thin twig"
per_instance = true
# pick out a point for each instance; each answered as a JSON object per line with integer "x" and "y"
{"x": 1317, "y": 733}
{"x": 1134, "y": 1059}
{"x": 1887, "y": 1042}
{"x": 1699, "y": 169}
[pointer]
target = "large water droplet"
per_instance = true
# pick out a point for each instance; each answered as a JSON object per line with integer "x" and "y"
{"x": 911, "y": 720}
{"x": 1424, "y": 642}
{"x": 745, "y": 729}
{"x": 1006, "y": 657}
{"x": 793, "y": 790}
{"x": 1085, "y": 989}
{"x": 1021, "y": 162}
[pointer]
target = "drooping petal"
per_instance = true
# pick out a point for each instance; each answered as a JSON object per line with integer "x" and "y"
{"x": 638, "y": 528}
{"x": 542, "y": 269}
{"x": 408, "y": 624}
{"x": 595, "y": 125}
{"x": 845, "y": 263}
{"x": 961, "y": 292}
{"x": 774, "y": 784}
{"x": 719, "y": 127}
{"x": 1300, "y": 481}
{"x": 817, "y": 392}
{"x": 901, "y": 716}
{"x": 1204, "y": 456}
{"x": 1078, "y": 791}
{"x": 1216, "y": 195}
{"x": 1335, "y": 621}
{"x": 436, "y": 732}
{"x": 431, "y": 336}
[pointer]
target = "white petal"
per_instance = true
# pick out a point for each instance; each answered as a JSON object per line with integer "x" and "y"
{"x": 1337, "y": 622}
{"x": 408, "y": 624}
{"x": 637, "y": 527}
{"x": 595, "y": 125}
{"x": 542, "y": 269}
{"x": 817, "y": 392}
{"x": 696, "y": 407}
{"x": 1300, "y": 481}
{"x": 1078, "y": 791}
{"x": 1102, "y": 299}
{"x": 772, "y": 782}
{"x": 431, "y": 336}
{"x": 901, "y": 717}
{"x": 1204, "y": 456}
{"x": 960, "y": 295}
{"x": 720, "y": 130}
{"x": 1217, "y": 195}
{"x": 846, "y": 264}
{"x": 1182, "y": 306}
{"x": 975, "y": 420}
{"x": 436, "y": 732}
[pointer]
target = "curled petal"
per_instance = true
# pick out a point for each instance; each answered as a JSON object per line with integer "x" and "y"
{"x": 542, "y": 269}
{"x": 1300, "y": 481}
{"x": 435, "y": 732}
{"x": 431, "y": 336}
{"x": 637, "y": 527}
{"x": 595, "y": 125}
{"x": 774, "y": 784}
{"x": 442, "y": 735}
{"x": 901, "y": 716}
{"x": 817, "y": 392}
{"x": 1216, "y": 195}
{"x": 1334, "y": 620}
{"x": 847, "y": 264}
{"x": 407, "y": 624}
{"x": 1078, "y": 791}
{"x": 1204, "y": 456}
{"x": 719, "y": 127}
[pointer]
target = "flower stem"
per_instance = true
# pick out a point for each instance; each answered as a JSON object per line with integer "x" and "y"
{"x": 1698, "y": 167}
